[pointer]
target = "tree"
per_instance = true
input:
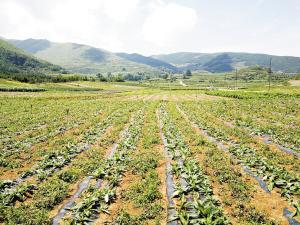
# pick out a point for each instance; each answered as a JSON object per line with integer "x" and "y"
{"x": 164, "y": 76}
{"x": 119, "y": 78}
{"x": 99, "y": 75}
{"x": 188, "y": 73}
{"x": 109, "y": 76}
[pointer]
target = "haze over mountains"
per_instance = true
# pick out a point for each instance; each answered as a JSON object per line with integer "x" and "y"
{"x": 16, "y": 62}
{"x": 79, "y": 58}
{"x": 227, "y": 61}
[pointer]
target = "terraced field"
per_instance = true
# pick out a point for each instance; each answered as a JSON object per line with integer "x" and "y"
{"x": 133, "y": 155}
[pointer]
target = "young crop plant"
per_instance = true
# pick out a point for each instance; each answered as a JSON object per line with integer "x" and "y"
{"x": 54, "y": 122}
{"x": 196, "y": 202}
{"x": 52, "y": 191}
{"x": 157, "y": 151}
{"x": 267, "y": 170}
{"x": 97, "y": 201}
{"x": 274, "y": 176}
{"x": 252, "y": 158}
{"x": 143, "y": 191}
{"x": 55, "y": 161}
{"x": 274, "y": 119}
{"x": 234, "y": 189}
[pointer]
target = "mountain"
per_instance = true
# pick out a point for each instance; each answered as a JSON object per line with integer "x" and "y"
{"x": 226, "y": 61}
{"x": 221, "y": 63}
{"x": 148, "y": 61}
{"x": 19, "y": 65}
{"x": 184, "y": 58}
{"x": 31, "y": 45}
{"x": 83, "y": 58}
{"x": 86, "y": 59}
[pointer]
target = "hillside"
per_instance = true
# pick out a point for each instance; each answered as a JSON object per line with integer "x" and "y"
{"x": 138, "y": 58}
{"x": 18, "y": 65}
{"x": 223, "y": 62}
{"x": 86, "y": 59}
{"x": 81, "y": 58}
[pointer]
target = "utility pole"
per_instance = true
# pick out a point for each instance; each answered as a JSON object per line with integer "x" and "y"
{"x": 236, "y": 78}
{"x": 270, "y": 73}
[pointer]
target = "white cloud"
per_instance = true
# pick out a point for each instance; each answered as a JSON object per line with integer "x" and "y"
{"x": 94, "y": 22}
{"x": 158, "y": 26}
{"x": 11, "y": 15}
{"x": 118, "y": 10}
{"x": 168, "y": 23}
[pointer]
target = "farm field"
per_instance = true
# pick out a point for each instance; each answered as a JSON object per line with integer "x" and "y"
{"x": 134, "y": 154}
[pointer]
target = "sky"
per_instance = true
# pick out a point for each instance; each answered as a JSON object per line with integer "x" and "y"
{"x": 159, "y": 26}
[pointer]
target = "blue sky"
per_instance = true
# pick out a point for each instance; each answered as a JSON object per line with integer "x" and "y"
{"x": 159, "y": 26}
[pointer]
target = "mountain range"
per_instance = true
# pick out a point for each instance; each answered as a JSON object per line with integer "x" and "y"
{"x": 228, "y": 61}
{"x": 84, "y": 59}
{"x": 17, "y": 64}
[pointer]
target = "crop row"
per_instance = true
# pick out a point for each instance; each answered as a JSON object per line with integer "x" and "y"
{"x": 193, "y": 192}
{"x": 54, "y": 161}
{"x": 140, "y": 193}
{"x": 24, "y": 118}
{"x": 238, "y": 192}
{"x": 274, "y": 176}
{"x": 265, "y": 168}
{"x": 21, "y": 115}
{"x": 143, "y": 187}
{"x": 278, "y": 119}
{"x": 227, "y": 133}
{"x": 38, "y": 206}
{"x": 53, "y": 123}
{"x": 14, "y": 145}
{"x": 95, "y": 200}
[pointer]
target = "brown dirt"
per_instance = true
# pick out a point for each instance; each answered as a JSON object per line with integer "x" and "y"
{"x": 274, "y": 148}
{"x": 294, "y": 82}
{"x": 72, "y": 190}
{"x": 126, "y": 182}
{"x": 161, "y": 170}
{"x": 272, "y": 204}
{"x": 120, "y": 203}
{"x": 31, "y": 155}
{"x": 104, "y": 148}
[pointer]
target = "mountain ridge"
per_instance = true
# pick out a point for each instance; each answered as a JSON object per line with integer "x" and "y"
{"x": 19, "y": 65}
{"x": 80, "y": 58}
{"x": 87, "y": 59}
{"x": 148, "y": 61}
{"x": 238, "y": 60}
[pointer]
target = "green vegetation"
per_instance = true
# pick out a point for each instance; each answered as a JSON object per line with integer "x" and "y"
{"x": 18, "y": 65}
{"x": 83, "y": 59}
{"x": 150, "y": 152}
{"x": 223, "y": 62}
{"x": 148, "y": 61}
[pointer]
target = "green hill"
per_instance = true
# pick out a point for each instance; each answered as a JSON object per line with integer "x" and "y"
{"x": 138, "y": 58}
{"x": 18, "y": 65}
{"x": 86, "y": 59}
{"x": 81, "y": 58}
{"x": 31, "y": 45}
{"x": 223, "y": 62}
